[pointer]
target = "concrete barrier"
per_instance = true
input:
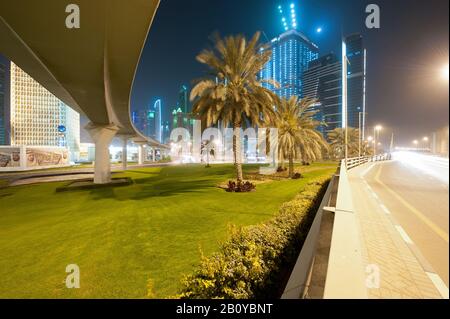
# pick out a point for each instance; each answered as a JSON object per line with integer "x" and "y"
{"x": 345, "y": 275}
{"x": 298, "y": 283}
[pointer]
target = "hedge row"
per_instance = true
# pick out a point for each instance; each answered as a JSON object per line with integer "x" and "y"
{"x": 256, "y": 261}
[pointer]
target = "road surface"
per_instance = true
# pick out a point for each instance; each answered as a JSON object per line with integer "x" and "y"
{"x": 415, "y": 190}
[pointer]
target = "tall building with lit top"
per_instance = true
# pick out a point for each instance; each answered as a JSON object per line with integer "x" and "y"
{"x": 183, "y": 99}
{"x": 4, "y": 139}
{"x": 291, "y": 53}
{"x": 354, "y": 74}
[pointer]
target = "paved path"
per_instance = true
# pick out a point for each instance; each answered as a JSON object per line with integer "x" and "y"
{"x": 403, "y": 220}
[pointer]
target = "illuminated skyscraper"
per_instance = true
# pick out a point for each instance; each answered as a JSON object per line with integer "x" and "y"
{"x": 356, "y": 56}
{"x": 291, "y": 53}
{"x": 4, "y": 139}
{"x": 38, "y": 118}
{"x": 158, "y": 120}
{"x": 183, "y": 99}
{"x": 322, "y": 82}
{"x": 149, "y": 120}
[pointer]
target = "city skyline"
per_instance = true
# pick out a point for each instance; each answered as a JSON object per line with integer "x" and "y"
{"x": 418, "y": 65}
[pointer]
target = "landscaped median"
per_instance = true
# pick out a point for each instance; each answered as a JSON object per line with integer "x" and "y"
{"x": 254, "y": 262}
{"x": 149, "y": 234}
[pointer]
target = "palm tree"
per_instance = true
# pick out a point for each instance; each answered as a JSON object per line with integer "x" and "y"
{"x": 337, "y": 142}
{"x": 297, "y": 132}
{"x": 235, "y": 96}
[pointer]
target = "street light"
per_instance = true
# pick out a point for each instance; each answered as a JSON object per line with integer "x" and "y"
{"x": 425, "y": 140}
{"x": 444, "y": 72}
{"x": 376, "y": 133}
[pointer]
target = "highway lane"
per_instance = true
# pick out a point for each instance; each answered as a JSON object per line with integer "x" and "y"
{"x": 415, "y": 189}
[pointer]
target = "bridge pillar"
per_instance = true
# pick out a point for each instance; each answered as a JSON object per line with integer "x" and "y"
{"x": 141, "y": 154}
{"x": 102, "y": 136}
{"x": 125, "y": 151}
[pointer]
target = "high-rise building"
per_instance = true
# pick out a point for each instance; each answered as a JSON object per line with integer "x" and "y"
{"x": 158, "y": 120}
{"x": 166, "y": 132}
{"x": 291, "y": 53}
{"x": 183, "y": 99}
{"x": 4, "y": 139}
{"x": 149, "y": 120}
{"x": 38, "y": 118}
{"x": 323, "y": 82}
{"x": 355, "y": 55}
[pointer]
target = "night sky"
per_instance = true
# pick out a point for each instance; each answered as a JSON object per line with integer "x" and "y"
{"x": 405, "y": 93}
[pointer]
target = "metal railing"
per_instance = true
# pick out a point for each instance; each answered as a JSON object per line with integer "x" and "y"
{"x": 358, "y": 161}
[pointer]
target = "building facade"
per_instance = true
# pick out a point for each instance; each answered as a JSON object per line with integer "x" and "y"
{"x": 4, "y": 121}
{"x": 149, "y": 120}
{"x": 183, "y": 99}
{"x": 38, "y": 118}
{"x": 323, "y": 83}
{"x": 292, "y": 51}
{"x": 356, "y": 57}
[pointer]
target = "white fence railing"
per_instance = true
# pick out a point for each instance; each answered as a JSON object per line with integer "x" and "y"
{"x": 357, "y": 161}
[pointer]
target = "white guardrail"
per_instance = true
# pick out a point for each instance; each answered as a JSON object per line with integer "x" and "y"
{"x": 357, "y": 161}
{"x": 344, "y": 276}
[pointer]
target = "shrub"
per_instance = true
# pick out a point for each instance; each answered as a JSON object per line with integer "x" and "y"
{"x": 256, "y": 261}
{"x": 297, "y": 176}
{"x": 240, "y": 187}
{"x": 281, "y": 169}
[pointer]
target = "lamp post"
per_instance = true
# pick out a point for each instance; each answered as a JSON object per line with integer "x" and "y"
{"x": 425, "y": 140}
{"x": 416, "y": 143}
{"x": 360, "y": 133}
{"x": 376, "y": 136}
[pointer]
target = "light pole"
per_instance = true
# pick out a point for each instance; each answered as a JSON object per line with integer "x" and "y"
{"x": 376, "y": 136}
{"x": 360, "y": 133}
{"x": 425, "y": 140}
{"x": 416, "y": 143}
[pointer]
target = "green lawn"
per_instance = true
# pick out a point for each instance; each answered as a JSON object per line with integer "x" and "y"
{"x": 123, "y": 237}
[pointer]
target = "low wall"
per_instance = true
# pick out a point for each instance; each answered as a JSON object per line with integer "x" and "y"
{"x": 23, "y": 158}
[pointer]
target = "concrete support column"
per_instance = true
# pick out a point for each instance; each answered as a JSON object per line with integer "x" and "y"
{"x": 124, "y": 151}
{"x": 154, "y": 154}
{"x": 141, "y": 153}
{"x": 102, "y": 136}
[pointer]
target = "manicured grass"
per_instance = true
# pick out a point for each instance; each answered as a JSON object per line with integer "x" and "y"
{"x": 123, "y": 237}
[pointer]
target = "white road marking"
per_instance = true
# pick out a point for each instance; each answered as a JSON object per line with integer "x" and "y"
{"x": 404, "y": 235}
{"x": 366, "y": 171}
{"x": 439, "y": 284}
{"x": 384, "y": 208}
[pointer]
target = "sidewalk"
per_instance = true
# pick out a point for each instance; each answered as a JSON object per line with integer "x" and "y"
{"x": 386, "y": 248}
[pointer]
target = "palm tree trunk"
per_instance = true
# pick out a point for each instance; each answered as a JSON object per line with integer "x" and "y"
{"x": 291, "y": 165}
{"x": 237, "y": 151}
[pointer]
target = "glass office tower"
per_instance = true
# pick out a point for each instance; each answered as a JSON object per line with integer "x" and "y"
{"x": 323, "y": 83}
{"x": 4, "y": 140}
{"x": 356, "y": 56}
{"x": 291, "y": 53}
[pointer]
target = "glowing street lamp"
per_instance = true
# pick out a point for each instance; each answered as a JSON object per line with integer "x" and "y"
{"x": 444, "y": 72}
{"x": 376, "y": 133}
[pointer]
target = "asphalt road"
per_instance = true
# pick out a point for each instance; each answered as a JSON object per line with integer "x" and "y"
{"x": 415, "y": 189}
